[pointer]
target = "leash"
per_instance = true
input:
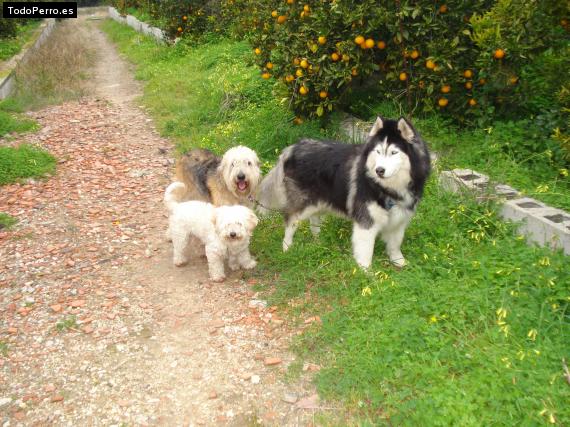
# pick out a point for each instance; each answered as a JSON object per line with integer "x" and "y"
{"x": 257, "y": 203}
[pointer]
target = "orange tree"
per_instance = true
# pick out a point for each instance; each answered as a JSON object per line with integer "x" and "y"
{"x": 458, "y": 57}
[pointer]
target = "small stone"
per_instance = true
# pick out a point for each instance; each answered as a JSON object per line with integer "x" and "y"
{"x": 56, "y": 308}
{"x": 20, "y": 415}
{"x": 270, "y": 416}
{"x": 49, "y": 388}
{"x": 311, "y": 402}
{"x": 77, "y": 303}
{"x": 123, "y": 403}
{"x": 213, "y": 395}
{"x": 57, "y": 398}
{"x": 88, "y": 330}
{"x": 5, "y": 401}
{"x": 290, "y": 398}
{"x": 246, "y": 376}
{"x": 256, "y": 303}
{"x": 255, "y": 379}
{"x": 270, "y": 361}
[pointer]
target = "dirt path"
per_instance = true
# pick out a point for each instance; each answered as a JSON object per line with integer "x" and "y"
{"x": 97, "y": 327}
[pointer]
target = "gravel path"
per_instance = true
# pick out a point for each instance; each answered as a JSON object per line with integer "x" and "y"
{"x": 97, "y": 327}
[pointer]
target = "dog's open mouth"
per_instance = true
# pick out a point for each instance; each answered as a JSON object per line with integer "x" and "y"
{"x": 242, "y": 185}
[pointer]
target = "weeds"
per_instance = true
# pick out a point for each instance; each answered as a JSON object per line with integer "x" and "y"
{"x": 6, "y": 221}
{"x": 24, "y": 161}
{"x": 57, "y": 72}
{"x": 67, "y": 324}
{"x": 3, "y": 349}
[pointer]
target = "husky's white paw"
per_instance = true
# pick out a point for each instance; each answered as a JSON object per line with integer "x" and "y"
{"x": 399, "y": 262}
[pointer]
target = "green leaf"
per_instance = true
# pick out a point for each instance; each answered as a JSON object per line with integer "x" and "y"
{"x": 320, "y": 110}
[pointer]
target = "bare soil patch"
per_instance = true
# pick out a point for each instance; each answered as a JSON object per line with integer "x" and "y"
{"x": 97, "y": 326}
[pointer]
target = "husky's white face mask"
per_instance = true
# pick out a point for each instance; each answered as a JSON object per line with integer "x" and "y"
{"x": 386, "y": 161}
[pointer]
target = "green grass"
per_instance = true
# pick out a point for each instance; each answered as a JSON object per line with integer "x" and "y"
{"x": 3, "y": 349}
{"x": 66, "y": 324}
{"x": 6, "y": 221}
{"x": 13, "y": 45}
{"x": 11, "y": 121}
{"x": 472, "y": 332}
{"x": 24, "y": 161}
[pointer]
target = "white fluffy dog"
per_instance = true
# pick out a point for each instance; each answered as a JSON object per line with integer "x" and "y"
{"x": 224, "y": 231}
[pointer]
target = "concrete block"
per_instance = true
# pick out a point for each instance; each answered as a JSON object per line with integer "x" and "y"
{"x": 134, "y": 23}
{"x": 540, "y": 223}
{"x": 460, "y": 180}
{"x": 158, "y": 34}
{"x": 357, "y": 130}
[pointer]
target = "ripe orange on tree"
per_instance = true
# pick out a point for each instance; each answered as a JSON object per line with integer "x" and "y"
{"x": 323, "y": 94}
{"x": 303, "y": 90}
{"x": 289, "y": 78}
{"x": 403, "y": 77}
{"x": 179, "y": 29}
{"x": 369, "y": 43}
{"x": 381, "y": 44}
{"x": 442, "y": 102}
{"x": 359, "y": 40}
{"x": 482, "y": 81}
{"x": 430, "y": 64}
{"x": 443, "y": 8}
{"x": 275, "y": 14}
{"x": 472, "y": 102}
{"x": 322, "y": 40}
{"x": 269, "y": 65}
{"x": 468, "y": 85}
{"x": 468, "y": 74}
{"x": 281, "y": 19}
{"x": 345, "y": 57}
{"x": 499, "y": 54}
{"x": 513, "y": 80}
{"x": 257, "y": 51}
{"x": 306, "y": 8}
{"x": 445, "y": 89}
{"x": 184, "y": 18}
{"x": 296, "y": 61}
{"x": 415, "y": 54}
{"x": 354, "y": 72}
{"x": 266, "y": 75}
{"x": 299, "y": 72}
{"x": 304, "y": 63}
{"x": 334, "y": 56}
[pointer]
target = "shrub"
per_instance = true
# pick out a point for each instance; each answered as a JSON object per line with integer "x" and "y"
{"x": 432, "y": 57}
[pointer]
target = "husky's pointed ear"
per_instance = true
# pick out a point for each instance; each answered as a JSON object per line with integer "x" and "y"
{"x": 377, "y": 126}
{"x": 406, "y": 129}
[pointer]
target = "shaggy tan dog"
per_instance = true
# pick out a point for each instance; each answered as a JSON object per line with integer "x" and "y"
{"x": 230, "y": 180}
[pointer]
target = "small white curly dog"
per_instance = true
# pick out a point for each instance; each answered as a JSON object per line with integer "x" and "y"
{"x": 225, "y": 231}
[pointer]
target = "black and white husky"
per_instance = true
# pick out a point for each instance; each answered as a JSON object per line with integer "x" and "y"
{"x": 377, "y": 185}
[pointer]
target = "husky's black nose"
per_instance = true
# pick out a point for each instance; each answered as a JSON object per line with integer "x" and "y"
{"x": 241, "y": 176}
{"x": 380, "y": 171}
{"x": 233, "y": 234}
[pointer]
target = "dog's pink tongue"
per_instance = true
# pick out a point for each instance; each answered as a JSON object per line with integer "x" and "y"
{"x": 242, "y": 185}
